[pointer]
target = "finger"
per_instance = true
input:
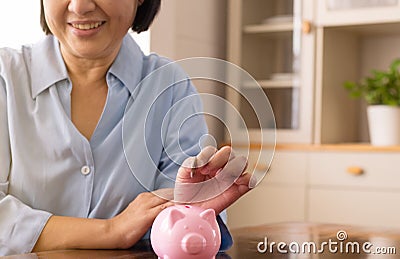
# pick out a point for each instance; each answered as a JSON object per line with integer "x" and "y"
{"x": 189, "y": 169}
{"x": 157, "y": 209}
{"x": 187, "y": 174}
{"x": 253, "y": 181}
{"x": 197, "y": 192}
{"x": 232, "y": 170}
{"x": 247, "y": 179}
{"x": 165, "y": 193}
{"x": 206, "y": 155}
{"x": 232, "y": 194}
{"x": 242, "y": 189}
{"x": 188, "y": 163}
{"x": 217, "y": 161}
{"x": 244, "y": 179}
{"x": 151, "y": 199}
{"x": 227, "y": 198}
{"x": 164, "y": 206}
{"x": 202, "y": 158}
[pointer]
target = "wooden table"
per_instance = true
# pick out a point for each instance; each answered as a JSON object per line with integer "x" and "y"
{"x": 263, "y": 242}
{"x": 142, "y": 250}
{"x": 297, "y": 240}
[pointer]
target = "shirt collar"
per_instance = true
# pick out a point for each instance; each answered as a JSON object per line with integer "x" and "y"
{"x": 48, "y": 66}
{"x": 128, "y": 65}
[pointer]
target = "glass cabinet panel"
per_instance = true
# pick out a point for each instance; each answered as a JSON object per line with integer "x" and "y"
{"x": 269, "y": 56}
{"x": 270, "y": 48}
{"x": 356, "y": 12}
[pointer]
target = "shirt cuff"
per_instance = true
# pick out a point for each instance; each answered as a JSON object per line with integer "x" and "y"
{"x": 20, "y": 226}
{"x": 226, "y": 238}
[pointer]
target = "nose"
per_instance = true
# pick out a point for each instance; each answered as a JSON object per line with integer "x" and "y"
{"x": 193, "y": 243}
{"x": 81, "y": 7}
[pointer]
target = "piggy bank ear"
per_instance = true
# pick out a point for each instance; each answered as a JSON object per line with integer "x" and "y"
{"x": 173, "y": 216}
{"x": 208, "y": 215}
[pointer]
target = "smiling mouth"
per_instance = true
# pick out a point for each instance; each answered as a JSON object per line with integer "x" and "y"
{"x": 87, "y": 26}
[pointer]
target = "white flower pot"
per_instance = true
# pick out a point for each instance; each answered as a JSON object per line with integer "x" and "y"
{"x": 384, "y": 125}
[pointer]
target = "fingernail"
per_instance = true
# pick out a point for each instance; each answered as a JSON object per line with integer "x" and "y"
{"x": 239, "y": 180}
{"x": 188, "y": 162}
{"x": 253, "y": 181}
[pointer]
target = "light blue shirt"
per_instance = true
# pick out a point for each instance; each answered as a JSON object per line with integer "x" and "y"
{"x": 48, "y": 167}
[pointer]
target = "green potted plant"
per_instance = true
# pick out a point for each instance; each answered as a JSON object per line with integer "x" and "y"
{"x": 381, "y": 91}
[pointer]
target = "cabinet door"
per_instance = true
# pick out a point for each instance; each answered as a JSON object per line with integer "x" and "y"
{"x": 379, "y": 170}
{"x": 268, "y": 204}
{"x": 354, "y": 207}
{"x": 279, "y": 197}
{"x": 354, "y": 188}
{"x": 266, "y": 39}
{"x": 287, "y": 168}
{"x": 353, "y": 12}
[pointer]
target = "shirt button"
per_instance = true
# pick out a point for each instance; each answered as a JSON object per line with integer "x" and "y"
{"x": 85, "y": 170}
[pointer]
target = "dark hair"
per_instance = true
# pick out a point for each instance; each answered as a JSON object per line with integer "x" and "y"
{"x": 144, "y": 16}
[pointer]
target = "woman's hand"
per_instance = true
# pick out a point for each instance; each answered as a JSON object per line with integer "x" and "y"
{"x": 131, "y": 224}
{"x": 213, "y": 179}
{"x": 122, "y": 231}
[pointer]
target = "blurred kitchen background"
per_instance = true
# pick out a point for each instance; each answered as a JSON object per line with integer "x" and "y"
{"x": 300, "y": 52}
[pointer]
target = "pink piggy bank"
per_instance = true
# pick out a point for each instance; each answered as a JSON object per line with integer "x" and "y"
{"x": 185, "y": 232}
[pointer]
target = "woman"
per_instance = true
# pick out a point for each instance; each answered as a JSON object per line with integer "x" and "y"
{"x": 65, "y": 180}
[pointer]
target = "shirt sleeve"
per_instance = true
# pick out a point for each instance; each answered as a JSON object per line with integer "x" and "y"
{"x": 226, "y": 238}
{"x": 181, "y": 135}
{"x": 20, "y": 225}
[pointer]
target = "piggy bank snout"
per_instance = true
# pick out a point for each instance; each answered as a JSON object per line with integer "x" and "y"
{"x": 193, "y": 243}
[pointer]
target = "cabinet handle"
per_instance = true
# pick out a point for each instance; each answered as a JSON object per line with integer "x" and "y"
{"x": 355, "y": 170}
{"x": 306, "y": 27}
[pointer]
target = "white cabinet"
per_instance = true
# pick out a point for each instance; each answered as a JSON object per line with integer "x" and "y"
{"x": 353, "y": 12}
{"x": 266, "y": 38}
{"x": 280, "y": 197}
{"x": 368, "y": 170}
{"x": 354, "y": 207}
{"x": 336, "y": 176}
{"x": 268, "y": 204}
{"x": 354, "y": 188}
{"x": 325, "y": 185}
